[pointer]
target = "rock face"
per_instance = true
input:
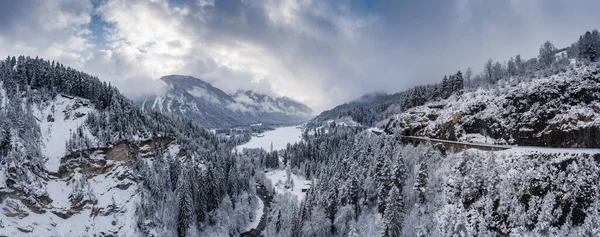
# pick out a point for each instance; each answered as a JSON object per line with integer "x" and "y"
{"x": 198, "y": 100}
{"x": 562, "y": 110}
{"x": 94, "y": 191}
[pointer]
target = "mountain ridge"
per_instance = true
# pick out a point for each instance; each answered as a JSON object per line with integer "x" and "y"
{"x": 365, "y": 110}
{"x": 198, "y": 100}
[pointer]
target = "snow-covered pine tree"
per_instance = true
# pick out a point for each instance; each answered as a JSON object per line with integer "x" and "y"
{"x": 546, "y": 56}
{"x": 186, "y": 207}
{"x": 383, "y": 182}
{"x": 394, "y": 213}
{"x": 354, "y": 192}
{"x": 589, "y": 46}
{"x": 421, "y": 183}
{"x": 446, "y": 87}
{"x": 459, "y": 83}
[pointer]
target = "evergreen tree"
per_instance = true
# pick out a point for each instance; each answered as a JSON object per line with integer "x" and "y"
{"x": 421, "y": 183}
{"x": 488, "y": 71}
{"x": 383, "y": 182}
{"x": 546, "y": 56}
{"x": 399, "y": 175}
{"x": 354, "y": 192}
{"x": 446, "y": 87}
{"x": 186, "y": 209}
{"x": 589, "y": 46}
{"x": 511, "y": 67}
{"x": 278, "y": 222}
{"x": 394, "y": 213}
{"x": 519, "y": 65}
{"x": 498, "y": 72}
{"x": 458, "y": 82}
{"x": 573, "y": 51}
{"x": 468, "y": 75}
{"x": 212, "y": 190}
{"x": 353, "y": 232}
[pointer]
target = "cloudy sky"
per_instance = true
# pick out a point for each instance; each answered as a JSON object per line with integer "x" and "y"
{"x": 318, "y": 52}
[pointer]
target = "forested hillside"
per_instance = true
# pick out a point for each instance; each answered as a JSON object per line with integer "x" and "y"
{"x": 368, "y": 182}
{"x": 364, "y": 111}
{"x": 77, "y": 158}
{"x": 373, "y": 108}
{"x": 372, "y": 185}
{"x": 554, "y": 111}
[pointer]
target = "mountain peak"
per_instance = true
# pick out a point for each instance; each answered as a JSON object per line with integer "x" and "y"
{"x": 191, "y": 97}
{"x": 183, "y": 80}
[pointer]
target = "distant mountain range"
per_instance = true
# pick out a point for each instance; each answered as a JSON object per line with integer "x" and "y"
{"x": 198, "y": 100}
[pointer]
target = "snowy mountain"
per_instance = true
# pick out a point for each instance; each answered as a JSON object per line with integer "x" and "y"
{"x": 561, "y": 110}
{"x": 211, "y": 107}
{"x": 77, "y": 158}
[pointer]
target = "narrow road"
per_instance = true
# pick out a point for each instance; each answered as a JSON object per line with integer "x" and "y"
{"x": 490, "y": 147}
{"x": 264, "y": 195}
{"x": 456, "y": 145}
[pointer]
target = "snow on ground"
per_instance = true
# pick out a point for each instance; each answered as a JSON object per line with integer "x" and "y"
{"x": 375, "y": 130}
{"x": 344, "y": 121}
{"x": 478, "y": 138}
{"x": 173, "y": 150}
{"x": 531, "y": 149}
{"x": 514, "y": 107}
{"x": 92, "y": 219}
{"x": 257, "y": 215}
{"x": 520, "y": 149}
{"x": 59, "y": 191}
{"x": 278, "y": 178}
{"x": 56, "y": 133}
{"x": 279, "y": 137}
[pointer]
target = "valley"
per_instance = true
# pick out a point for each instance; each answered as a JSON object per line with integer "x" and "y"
{"x": 75, "y": 159}
{"x": 282, "y": 181}
{"x": 299, "y": 118}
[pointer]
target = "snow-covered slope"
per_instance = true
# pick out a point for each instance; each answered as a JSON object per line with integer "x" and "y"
{"x": 195, "y": 99}
{"x": 79, "y": 193}
{"x": 58, "y": 119}
{"x": 561, "y": 110}
{"x": 82, "y": 199}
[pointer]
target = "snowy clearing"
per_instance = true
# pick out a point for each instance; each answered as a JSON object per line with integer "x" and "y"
{"x": 278, "y": 178}
{"x": 279, "y": 137}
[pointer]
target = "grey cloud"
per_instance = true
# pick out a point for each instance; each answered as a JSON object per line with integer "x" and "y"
{"x": 322, "y": 52}
{"x": 225, "y": 78}
{"x": 118, "y": 69}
